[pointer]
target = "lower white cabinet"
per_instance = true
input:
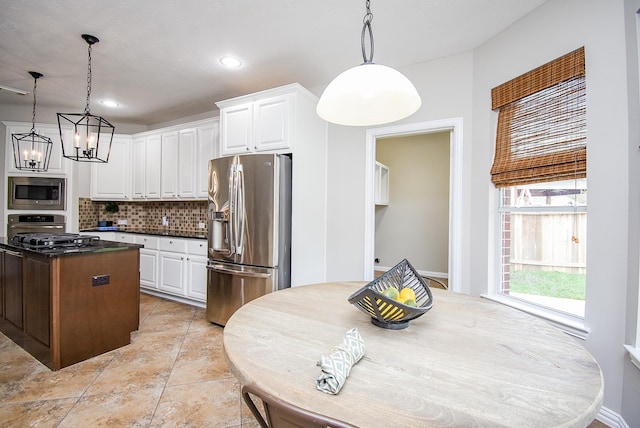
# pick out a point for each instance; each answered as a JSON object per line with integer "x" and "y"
{"x": 197, "y": 270}
{"x": 149, "y": 268}
{"x": 172, "y": 273}
{"x": 148, "y": 261}
{"x": 174, "y": 268}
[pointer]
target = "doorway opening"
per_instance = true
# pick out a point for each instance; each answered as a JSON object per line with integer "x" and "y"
{"x": 454, "y": 128}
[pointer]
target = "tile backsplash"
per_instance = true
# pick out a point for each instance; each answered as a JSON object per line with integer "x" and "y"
{"x": 182, "y": 216}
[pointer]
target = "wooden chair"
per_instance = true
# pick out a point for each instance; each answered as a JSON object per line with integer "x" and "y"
{"x": 280, "y": 414}
{"x": 432, "y": 282}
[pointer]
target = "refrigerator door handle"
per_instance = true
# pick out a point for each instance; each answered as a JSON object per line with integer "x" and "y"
{"x": 233, "y": 206}
{"x": 240, "y": 213}
{"x": 222, "y": 269}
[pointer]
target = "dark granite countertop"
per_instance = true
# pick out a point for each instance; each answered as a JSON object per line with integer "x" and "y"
{"x": 155, "y": 232}
{"x": 99, "y": 247}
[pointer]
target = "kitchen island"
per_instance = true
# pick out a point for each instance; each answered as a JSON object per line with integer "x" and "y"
{"x": 65, "y": 305}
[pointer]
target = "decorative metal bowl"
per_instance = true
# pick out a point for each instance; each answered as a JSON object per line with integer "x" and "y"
{"x": 386, "y": 312}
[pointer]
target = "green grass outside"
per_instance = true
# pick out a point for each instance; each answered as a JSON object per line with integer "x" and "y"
{"x": 552, "y": 284}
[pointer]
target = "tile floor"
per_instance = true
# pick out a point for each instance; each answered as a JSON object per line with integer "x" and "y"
{"x": 173, "y": 373}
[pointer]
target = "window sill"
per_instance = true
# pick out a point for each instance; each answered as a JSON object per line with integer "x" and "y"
{"x": 634, "y": 353}
{"x": 569, "y": 324}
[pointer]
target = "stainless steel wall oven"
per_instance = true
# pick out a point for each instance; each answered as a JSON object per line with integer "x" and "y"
{"x": 35, "y": 223}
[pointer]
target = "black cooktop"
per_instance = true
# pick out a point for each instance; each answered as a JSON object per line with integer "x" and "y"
{"x": 54, "y": 240}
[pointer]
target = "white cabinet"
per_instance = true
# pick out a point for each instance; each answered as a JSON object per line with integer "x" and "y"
{"x": 272, "y": 123}
{"x": 187, "y": 163}
{"x": 381, "y": 184}
{"x": 146, "y": 167}
{"x": 173, "y": 163}
{"x": 259, "y": 122}
{"x": 175, "y": 268}
{"x": 148, "y": 261}
{"x": 153, "y": 172}
{"x": 169, "y": 165}
{"x": 112, "y": 180}
{"x": 183, "y": 268}
{"x": 149, "y": 268}
{"x": 197, "y": 270}
{"x": 172, "y": 271}
{"x": 57, "y": 164}
{"x": 172, "y": 265}
{"x": 107, "y": 236}
{"x": 206, "y": 149}
{"x": 284, "y": 120}
{"x": 236, "y": 129}
{"x": 138, "y": 167}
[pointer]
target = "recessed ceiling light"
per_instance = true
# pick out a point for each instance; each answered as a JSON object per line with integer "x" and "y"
{"x": 230, "y": 62}
{"x": 109, "y": 103}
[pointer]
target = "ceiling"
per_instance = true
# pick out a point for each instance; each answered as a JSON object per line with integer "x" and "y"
{"x": 160, "y": 58}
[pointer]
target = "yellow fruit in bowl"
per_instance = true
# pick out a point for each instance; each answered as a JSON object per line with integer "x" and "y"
{"x": 391, "y": 292}
{"x": 407, "y": 294}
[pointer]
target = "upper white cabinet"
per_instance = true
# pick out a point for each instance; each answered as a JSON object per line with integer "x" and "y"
{"x": 146, "y": 166}
{"x": 173, "y": 163}
{"x": 187, "y": 163}
{"x": 169, "y": 164}
{"x": 206, "y": 149}
{"x": 112, "y": 180}
{"x": 57, "y": 164}
{"x": 236, "y": 129}
{"x": 138, "y": 167}
{"x": 153, "y": 171}
{"x": 284, "y": 120}
{"x": 265, "y": 121}
{"x": 273, "y": 120}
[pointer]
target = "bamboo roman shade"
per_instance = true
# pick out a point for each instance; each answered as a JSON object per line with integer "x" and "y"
{"x": 542, "y": 127}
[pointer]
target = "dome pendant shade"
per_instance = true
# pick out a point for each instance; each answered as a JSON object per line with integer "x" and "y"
{"x": 368, "y": 94}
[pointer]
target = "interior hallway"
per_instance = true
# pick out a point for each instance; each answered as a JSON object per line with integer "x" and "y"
{"x": 174, "y": 373}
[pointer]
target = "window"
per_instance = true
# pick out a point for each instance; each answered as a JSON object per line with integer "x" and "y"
{"x": 543, "y": 244}
{"x": 540, "y": 170}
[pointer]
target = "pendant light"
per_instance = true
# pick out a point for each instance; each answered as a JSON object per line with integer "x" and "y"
{"x": 32, "y": 152}
{"x": 368, "y": 94}
{"x": 92, "y": 135}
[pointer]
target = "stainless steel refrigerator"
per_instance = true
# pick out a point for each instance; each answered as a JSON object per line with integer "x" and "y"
{"x": 249, "y": 231}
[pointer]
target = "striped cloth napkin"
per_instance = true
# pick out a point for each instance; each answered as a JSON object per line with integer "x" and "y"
{"x": 336, "y": 367}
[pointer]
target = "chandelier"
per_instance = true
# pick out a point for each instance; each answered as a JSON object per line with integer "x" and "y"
{"x": 92, "y": 135}
{"x": 32, "y": 151}
{"x": 368, "y": 94}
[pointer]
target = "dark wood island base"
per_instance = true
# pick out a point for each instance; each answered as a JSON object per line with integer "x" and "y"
{"x": 71, "y": 307}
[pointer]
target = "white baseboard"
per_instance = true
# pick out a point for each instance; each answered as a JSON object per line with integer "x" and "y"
{"x": 420, "y": 272}
{"x": 611, "y": 418}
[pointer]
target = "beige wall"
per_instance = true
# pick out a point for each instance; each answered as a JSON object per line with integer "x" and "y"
{"x": 415, "y": 224}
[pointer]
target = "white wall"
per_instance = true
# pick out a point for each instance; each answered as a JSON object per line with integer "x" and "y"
{"x": 415, "y": 224}
{"x": 445, "y": 88}
{"x": 555, "y": 28}
{"x": 459, "y": 86}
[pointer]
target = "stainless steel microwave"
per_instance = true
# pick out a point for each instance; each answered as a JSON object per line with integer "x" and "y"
{"x": 37, "y": 193}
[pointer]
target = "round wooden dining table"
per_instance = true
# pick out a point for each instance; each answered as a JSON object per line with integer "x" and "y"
{"x": 468, "y": 362}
